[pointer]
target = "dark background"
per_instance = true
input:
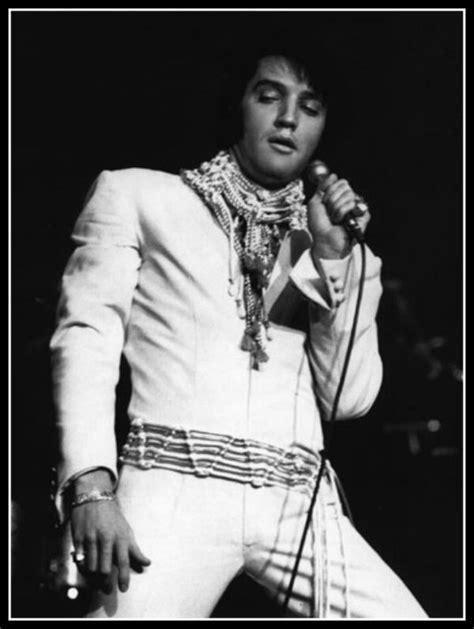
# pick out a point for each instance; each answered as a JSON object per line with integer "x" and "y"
{"x": 108, "y": 90}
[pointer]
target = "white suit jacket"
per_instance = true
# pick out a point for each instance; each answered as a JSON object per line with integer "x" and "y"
{"x": 149, "y": 277}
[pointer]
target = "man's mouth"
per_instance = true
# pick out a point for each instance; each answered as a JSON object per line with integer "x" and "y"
{"x": 282, "y": 144}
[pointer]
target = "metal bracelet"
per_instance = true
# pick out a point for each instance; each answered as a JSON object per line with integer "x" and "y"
{"x": 92, "y": 496}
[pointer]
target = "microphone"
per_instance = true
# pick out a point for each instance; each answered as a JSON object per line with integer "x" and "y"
{"x": 317, "y": 173}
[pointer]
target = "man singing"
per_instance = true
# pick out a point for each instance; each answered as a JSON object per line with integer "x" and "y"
{"x": 231, "y": 295}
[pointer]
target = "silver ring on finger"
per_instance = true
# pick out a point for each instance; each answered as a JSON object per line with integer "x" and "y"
{"x": 78, "y": 557}
{"x": 361, "y": 204}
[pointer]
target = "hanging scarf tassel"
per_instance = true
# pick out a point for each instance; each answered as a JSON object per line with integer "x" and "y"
{"x": 248, "y": 343}
{"x": 268, "y": 331}
{"x": 252, "y": 343}
{"x": 261, "y": 356}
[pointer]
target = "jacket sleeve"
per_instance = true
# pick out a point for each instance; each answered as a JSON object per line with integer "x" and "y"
{"x": 94, "y": 306}
{"x": 330, "y": 329}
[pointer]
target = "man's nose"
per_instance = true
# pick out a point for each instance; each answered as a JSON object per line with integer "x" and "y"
{"x": 287, "y": 116}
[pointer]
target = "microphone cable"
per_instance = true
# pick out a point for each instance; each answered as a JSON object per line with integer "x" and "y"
{"x": 331, "y": 424}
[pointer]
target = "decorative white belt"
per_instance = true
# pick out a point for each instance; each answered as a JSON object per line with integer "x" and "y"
{"x": 222, "y": 456}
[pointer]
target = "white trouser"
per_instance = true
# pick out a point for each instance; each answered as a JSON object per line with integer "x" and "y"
{"x": 199, "y": 533}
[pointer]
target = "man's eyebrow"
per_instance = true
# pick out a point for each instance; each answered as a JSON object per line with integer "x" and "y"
{"x": 269, "y": 83}
{"x": 308, "y": 93}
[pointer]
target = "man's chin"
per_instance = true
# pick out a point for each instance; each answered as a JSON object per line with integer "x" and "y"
{"x": 272, "y": 171}
{"x": 279, "y": 177}
{"x": 279, "y": 171}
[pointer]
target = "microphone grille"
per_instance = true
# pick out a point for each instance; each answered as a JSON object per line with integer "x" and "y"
{"x": 317, "y": 171}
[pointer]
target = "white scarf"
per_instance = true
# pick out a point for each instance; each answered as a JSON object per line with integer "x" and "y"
{"x": 251, "y": 216}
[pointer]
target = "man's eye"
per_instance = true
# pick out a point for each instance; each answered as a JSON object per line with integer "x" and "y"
{"x": 311, "y": 109}
{"x": 267, "y": 97}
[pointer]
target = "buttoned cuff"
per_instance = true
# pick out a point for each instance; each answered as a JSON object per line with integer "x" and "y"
{"x": 313, "y": 281}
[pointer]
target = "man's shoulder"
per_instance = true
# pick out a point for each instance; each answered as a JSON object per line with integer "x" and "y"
{"x": 136, "y": 179}
{"x": 148, "y": 192}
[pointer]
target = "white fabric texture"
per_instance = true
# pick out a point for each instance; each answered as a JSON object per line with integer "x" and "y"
{"x": 199, "y": 533}
{"x": 149, "y": 276}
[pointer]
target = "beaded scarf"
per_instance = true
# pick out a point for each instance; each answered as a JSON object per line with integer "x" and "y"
{"x": 253, "y": 218}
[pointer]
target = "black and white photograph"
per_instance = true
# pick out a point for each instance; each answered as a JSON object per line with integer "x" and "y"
{"x": 236, "y": 321}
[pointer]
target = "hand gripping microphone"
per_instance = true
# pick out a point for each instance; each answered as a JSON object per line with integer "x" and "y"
{"x": 317, "y": 173}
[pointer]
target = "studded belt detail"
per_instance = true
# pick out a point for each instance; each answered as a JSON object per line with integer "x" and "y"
{"x": 221, "y": 456}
